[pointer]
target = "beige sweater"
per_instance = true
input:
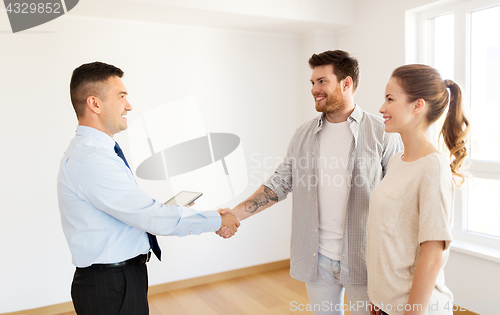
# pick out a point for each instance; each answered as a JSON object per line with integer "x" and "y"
{"x": 411, "y": 205}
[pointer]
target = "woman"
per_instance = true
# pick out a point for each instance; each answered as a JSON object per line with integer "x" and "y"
{"x": 409, "y": 226}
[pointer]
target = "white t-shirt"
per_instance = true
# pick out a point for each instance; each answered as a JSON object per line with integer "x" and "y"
{"x": 411, "y": 205}
{"x": 335, "y": 144}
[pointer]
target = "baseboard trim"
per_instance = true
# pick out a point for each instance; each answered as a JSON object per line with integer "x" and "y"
{"x": 182, "y": 284}
{"x": 170, "y": 286}
{"x": 46, "y": 310}
{"x": 187, "y": 283}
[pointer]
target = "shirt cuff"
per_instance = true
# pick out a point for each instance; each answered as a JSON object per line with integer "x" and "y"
{"x": 436, "y": 234}
{"x": 214, "y": 221}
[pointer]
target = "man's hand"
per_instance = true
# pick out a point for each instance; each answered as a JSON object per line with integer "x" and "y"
{"x": 229, "y": 211}
{"x": 262, "y": 199}
{"x": 229, "y": 224}
{"x": 375, "y": 310}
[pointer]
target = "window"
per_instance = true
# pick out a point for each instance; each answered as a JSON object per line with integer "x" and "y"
{"x": 483, "y": 214}
{"x": 483, "y": 208}
{"x": 461, "y": 40}
{"x": 485, "y": 83}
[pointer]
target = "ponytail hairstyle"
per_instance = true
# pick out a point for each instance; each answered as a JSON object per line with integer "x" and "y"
{"x": 424, "y": 82}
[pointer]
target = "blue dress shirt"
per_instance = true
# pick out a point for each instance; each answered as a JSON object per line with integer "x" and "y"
{"x": 104, "y": 213}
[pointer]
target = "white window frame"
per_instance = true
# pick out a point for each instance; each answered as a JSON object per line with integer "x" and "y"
{"x": 417, "y": 51}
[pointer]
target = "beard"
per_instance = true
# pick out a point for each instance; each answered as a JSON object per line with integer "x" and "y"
{"x": 333, "y": 103}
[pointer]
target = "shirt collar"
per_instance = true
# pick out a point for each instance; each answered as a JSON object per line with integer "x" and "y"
{"x": 355, "y": 116}
{"x": 100, "y": 138}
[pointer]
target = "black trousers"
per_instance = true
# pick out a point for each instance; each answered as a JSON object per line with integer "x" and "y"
{"x": 111, "y": 291}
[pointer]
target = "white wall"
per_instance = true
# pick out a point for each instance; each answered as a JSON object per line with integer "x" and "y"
{"x": 378, "y": 41}
{"x": 246, "y": 84}
{"x": 475, "y": 283}
{"x": 311, "y": 43}
{"x": 254, "y": 85}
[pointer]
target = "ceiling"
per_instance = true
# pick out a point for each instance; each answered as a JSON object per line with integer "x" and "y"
{"x": 294, "y": 17}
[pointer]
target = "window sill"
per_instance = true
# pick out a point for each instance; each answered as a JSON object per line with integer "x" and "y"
{"x": 476, "y": 250}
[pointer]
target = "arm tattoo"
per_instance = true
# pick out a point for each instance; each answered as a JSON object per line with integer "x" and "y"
{"x": 259, "y": 200}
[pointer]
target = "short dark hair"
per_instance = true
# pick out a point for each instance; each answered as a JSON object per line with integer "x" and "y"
{"x": 344, "y": 65}
{"x": 84, "y": 83}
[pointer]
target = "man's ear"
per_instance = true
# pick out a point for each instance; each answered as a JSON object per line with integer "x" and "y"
{"x": 346, "y": 83}
{"x": 419, "y": 106}
{"x": 93, "y": 104}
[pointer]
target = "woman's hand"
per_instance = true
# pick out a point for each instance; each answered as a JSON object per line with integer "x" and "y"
{"x": 375, "y": 310}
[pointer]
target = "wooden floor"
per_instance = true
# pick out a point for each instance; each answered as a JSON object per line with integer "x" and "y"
{"x": 265, "y": 293}
{"x": 273, "y": 292}
{"x": 269, "y": 293}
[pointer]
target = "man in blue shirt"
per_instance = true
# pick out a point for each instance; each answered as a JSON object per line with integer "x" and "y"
{"x": 109, "y": 222}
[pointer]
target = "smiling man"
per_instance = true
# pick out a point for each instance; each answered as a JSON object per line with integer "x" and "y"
{"x": 109, "y": 222}
{"x": 332, "y": 164}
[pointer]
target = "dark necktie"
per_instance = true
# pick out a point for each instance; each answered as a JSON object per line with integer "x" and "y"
{"x": 153, "y": 242}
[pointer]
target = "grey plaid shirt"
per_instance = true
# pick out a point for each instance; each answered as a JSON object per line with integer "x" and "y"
{"x": 370, "y": 152}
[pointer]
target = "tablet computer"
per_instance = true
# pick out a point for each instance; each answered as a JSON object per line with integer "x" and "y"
{"x": 184, "y": 198}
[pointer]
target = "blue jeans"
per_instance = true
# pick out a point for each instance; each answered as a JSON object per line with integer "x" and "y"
{"x": 326, "y": 294}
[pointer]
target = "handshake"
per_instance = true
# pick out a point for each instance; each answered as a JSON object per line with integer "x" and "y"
{"x": 230, "y": 223}
{"x": 262, "y": 199}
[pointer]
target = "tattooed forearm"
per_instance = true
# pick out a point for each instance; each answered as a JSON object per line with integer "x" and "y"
{"x": 270, "y": 194}
{"x": 251, "y": 206}
{"x": 259, "y": 200}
